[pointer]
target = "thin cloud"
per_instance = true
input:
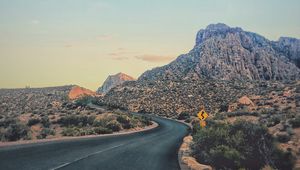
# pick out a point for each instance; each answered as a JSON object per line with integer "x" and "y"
{"x": 154, "y": 58}
{"x": 119, "y": 54}
{"x": 104, "y": 37}
{"x": 68, "y": 45}
{"x": 119, "y": 58}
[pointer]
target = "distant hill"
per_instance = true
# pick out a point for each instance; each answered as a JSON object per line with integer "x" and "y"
{"x": 77, "y": 92}
{"x": 113, "y": 81}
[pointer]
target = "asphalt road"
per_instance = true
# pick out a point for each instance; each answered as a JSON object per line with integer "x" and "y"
{"x": 155, "y": 149}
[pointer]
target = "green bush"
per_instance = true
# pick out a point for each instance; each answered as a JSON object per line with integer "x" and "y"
{"x": 274, "y": 120}
{"x": 125, "y": 121}
{"x": 33, "y": 121}
{"x": 114, "y": 126}
{"x": 283, "y": 160}
{"x": 283, "y": 137}
{"x": 146, "y": 120}
{"x": 45, "y": 121}
{"x": 85, "y": 100}
{"x": 8, "y": 121}
{"x": 102, "y": 130}
{"x": 183, "y": 116}
{"x": 242, "y": 145}
{"x": 295, "y": 122}
{"x": 45, "y": 132}
{"x": 15, "y": 132}
{"x": 225, "y": 156}
{"x": 69, "y": 132}
{"x": 233, "y": 114}
{"x": 76, "y": 120}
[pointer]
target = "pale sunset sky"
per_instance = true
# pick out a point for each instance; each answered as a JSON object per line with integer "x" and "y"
{"x": 60, "y": 42}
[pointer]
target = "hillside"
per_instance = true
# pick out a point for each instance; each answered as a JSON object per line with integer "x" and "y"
{"x": 53, "y": 112}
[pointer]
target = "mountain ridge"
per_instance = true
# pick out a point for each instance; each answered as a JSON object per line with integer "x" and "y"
{"x": 226, "y": 53}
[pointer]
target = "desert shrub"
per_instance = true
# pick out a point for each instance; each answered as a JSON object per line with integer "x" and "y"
{"x": 85, "y": 100}
{"x": 45, "y": 121}
{"x": 274, "y": 120}
{"x": 146, "y": 120}
{"x": 283, "y": 160}
{"x": 183, "y": 116}
{"x": 100, "y": 123}
{"x": 297, "y": 90}
{"x": 225, "y": 156}
{"x": 8, "y": 121}
{"x": 125, "y": 121}
{"x": 219, "y": 116}
{"x": 295, "y": 122}
{"x": 45, "y": 132}
{"x": 15, "y": 132}
{"x": 76, "y": 120}
{"x": 33, "y": 121}
{"x": 283, "y": 137}
{"x": 242, "y": 145}
{"x": 233, "y": 114}
{"x": 290, "y": 131}
{"x": 188, "y": 120}
{"x": 102, "y": 130}
{"x": 69, "y": 132}
{"x": 224, "y": 108}
{"x": 114, "y": 126}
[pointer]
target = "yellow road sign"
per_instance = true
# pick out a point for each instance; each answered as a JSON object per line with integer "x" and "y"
{"x": 202, "y": 115}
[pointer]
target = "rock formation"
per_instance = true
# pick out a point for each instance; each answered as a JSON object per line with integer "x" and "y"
{"x": 113, "y": 81}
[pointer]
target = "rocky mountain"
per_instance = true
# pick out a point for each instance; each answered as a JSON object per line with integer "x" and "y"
{"x": 225, "y": 64}
{"x": 77, "y": 92}
{"x": 226, "y": 53}
{"x": 113, "y": 81}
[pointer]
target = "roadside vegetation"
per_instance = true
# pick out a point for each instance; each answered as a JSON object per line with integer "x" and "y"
{"x": 241, "y": 145}
{"x": 29, "y": 114}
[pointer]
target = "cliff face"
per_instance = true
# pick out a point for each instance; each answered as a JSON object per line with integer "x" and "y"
{"x": 289, "y": 47}
{"x": 226, "y": 53}
{"x": 113, "y": 81}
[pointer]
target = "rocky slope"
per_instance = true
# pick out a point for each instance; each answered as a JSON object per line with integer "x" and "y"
{"x": 113, "y": 81}
{"x": 226, "y": 53}
{"x": 77, "y": 92}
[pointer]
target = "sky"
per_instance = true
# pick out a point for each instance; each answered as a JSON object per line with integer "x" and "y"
{"x": 60, "y": 42}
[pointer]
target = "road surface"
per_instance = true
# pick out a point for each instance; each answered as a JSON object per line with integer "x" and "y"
{"x": 155, "y": 149}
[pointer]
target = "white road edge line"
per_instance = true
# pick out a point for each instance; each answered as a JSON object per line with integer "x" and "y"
{"x": 81, "y": 158}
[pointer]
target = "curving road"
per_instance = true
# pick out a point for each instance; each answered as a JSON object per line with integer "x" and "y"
{"x": 155, "y": 149}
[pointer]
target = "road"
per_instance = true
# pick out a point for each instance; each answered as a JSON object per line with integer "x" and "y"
{"x": 155, "y": 149}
